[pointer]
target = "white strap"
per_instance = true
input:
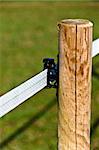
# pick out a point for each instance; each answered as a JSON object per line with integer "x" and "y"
{"x": 95, "y": 48}
{"x": 21, "y": 93}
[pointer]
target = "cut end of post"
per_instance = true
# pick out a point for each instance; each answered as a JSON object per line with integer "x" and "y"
{"x": 83, "y": 22}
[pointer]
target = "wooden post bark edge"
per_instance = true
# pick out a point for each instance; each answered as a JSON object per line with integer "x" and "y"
{"x": 75, "y": 43}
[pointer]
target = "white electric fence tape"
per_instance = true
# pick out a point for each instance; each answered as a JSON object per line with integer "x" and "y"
{"x": 21, "y": 93}
{"x": 24, "y": 91}
{"x": 95, "y": 48}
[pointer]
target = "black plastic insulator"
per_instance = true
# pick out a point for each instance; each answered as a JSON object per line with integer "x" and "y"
{"x": 52, "y": 72}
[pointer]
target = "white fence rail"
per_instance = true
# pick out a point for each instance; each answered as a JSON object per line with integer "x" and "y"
{"x": 95, "y": 48}
{"x": 15, "y": 97}
{"x": 21, "y": 93}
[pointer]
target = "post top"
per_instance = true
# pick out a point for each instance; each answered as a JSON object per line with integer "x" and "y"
{"x": 76, "y": 22}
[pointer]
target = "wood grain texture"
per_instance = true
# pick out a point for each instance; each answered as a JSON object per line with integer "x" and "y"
{"x": 75, "y": 40}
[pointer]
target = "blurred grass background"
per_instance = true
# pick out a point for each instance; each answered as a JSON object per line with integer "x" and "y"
{"x": 28, "y": 33}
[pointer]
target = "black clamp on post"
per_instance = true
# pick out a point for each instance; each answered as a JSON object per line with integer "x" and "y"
{"x": 52, "y": 72}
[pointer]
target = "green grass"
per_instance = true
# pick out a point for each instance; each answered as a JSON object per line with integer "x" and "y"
{"x": 28, "y": 33}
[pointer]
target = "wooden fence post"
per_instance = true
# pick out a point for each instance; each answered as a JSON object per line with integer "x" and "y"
{"x": 75, "y": 42}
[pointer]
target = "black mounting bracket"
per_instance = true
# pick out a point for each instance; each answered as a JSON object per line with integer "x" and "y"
{"x": 52, "y": 73}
